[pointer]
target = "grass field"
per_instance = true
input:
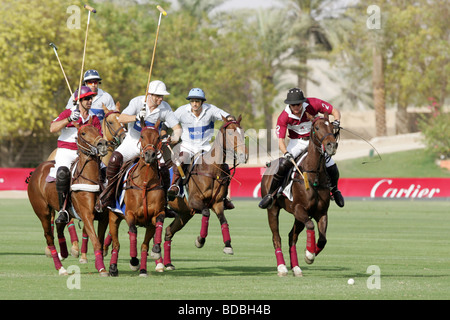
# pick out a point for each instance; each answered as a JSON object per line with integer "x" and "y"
{"x": 407, "y": 240}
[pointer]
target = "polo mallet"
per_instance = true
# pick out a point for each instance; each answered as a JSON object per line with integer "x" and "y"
{"x": 304, "y": 175}
{"x": 161, "y": 13}
{"x": 177, "y": 163}
{"x": 62, "y": 69}
{"x": 90, "y": 9}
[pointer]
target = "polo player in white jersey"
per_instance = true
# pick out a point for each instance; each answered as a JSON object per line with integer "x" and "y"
{"x": 197, "y": 119}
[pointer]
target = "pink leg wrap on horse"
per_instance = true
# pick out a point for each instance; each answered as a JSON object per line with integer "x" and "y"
{"x": 226, "y": 233}
{"x": 204, "y": 229}
{"x": 318, "y": 250}
{"x": 114, "y": 256}
{"x": 144, "y": 255}
{"x": 133, "y": 244}
{"x": 158, "y": 232}
{"x": 311, "y": 241}
{"x": 279, "y": 256}
{"x": 167, "y": 247}
{"x": 160, "y": 260}
{"x": 99, "y": 265}
{"x": 293, "y": 255}
{"x": 72, "y": 232}
{"x": 56, "y": 260}
{"x": 84, "y": 243}
{"x": 63, "y": 246}
{"x": 108, "y": 240}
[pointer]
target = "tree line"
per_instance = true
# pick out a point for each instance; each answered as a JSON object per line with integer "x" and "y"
{"x": 394, "y": 53}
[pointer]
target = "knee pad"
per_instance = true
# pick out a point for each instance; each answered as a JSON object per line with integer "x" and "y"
{"x": 114, "y": 164}
{"x": 62, "y": 179}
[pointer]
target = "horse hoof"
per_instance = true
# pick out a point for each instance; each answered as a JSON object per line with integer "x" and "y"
{"x": 83, "y": 261}
{"x": 228, "y": 250}
{"x": 159, "y": 267}
{"x": 297, "y": 271}
{"x": 309, "y": 257}
{"x": 143, "y": 273}
{"x": 113, "y": 271}
{"x": 103, "y": 273}
{"x": 61, "y": 258}
{"x": 134, "y": 264}
{"x": 74, "y": 252}
{"x": 282, "y": 270}
{"x": 200, "y": 242}
{"x": 156, "y": 252}
{"x": 62, "y": 272}
{"x": 48, "y": 254}
{"x": 169, "y": 267}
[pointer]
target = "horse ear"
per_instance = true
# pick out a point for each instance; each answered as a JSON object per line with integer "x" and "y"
{"x": 76, "y": 124}
{"x": 310, "y": 117}
{"x": 325, "y": 115}
{"x": 118, "y": 106}
{"x": 239, "y": 119}
{"x": 91, "y": 119}
{"x": 224, "y": 119}
{"x": 105, "y": 109}
{"x": 142, "y": 123}
{"x": 157, "y": 124}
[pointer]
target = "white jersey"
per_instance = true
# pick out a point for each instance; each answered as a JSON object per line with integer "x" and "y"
{"x": 101, "y": 98}
{"x": 198, "y": 131}
{"x": 163, "y": 113}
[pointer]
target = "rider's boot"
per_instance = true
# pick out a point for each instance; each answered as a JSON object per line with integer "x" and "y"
{"x": 174, "y": 190}
{"x": 106, "y": 198}
{"x": 227, "y": 204}
{"x": 62, "y": 187}
{"x": 283, "y": 167}
{"x": 333, "y": 173}
{"x": 165, "y": 182}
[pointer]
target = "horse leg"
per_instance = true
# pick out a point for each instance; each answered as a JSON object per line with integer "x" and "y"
{"x": 89, "y": 227}
{"x": 114, "y": 222}
{"x": 156, "y": 250}
{"x": 273, "y": 214}
{"x": 322, "y": 227}
{"x": 177, "y": 224}
{"x": 293, "y": 238}
{"x": 74, "y": 251}
{"x": 200, "y": 241}
{"x": 310, "y": 252}
{"x": 134, "y": 261}
{"x": 149, "y": 233}
{"x": 108, "y": 241}
{"x": 84, "y": 246}
{"x": 219, "y": 209}
{"x": 48, "y": 234}
{"x": 62, "y": 241}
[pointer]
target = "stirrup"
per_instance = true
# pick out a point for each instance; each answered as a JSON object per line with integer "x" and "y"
{"x": 227, "y": 204}
{"x": 266, "y": 202}
{"x": 338, "y": 198}
{"x": 172, "y": 193}
{"x": 63, "y": 217}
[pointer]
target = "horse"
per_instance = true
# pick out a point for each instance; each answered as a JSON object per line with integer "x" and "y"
{"x": 307, "y": 202}
{"x": 207, "y": 187}
{"x": 114, "y": 133}
{"x": 86, "y": 176}
{"x": 145, "y": 202}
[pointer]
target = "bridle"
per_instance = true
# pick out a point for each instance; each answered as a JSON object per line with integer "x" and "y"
{"x": 318, "y": 143}
{"x": 114, "y": 133}
{"x": 149, "y": 146}
{"x": 90, "y": 149}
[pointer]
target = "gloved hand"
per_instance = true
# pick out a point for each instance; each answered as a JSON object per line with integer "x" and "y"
{"x": 336, "y": 124}
{"x": 288, "y": 156}
{"x": 141, "y": 114}
{"x": 75, "y": 115}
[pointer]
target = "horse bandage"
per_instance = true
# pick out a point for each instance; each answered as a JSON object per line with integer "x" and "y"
{"x": 85, "y": 187}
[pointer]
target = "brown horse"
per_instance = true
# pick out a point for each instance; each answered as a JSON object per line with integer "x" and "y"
{"x": 44, "y": 198}
{"x": 114, "y": 133}
{"x": 207, "y": 187}
{"x": 307, "y": 202}
{"x": 144, "y": 201}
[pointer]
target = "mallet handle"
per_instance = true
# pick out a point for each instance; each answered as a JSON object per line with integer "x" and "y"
{"x": 90, "y": 8}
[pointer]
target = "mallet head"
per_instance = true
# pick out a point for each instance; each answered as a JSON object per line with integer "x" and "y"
{"x": 51, "y": 44}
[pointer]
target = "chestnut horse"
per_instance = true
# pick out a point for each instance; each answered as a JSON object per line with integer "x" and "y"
{"x": 207, "y": 187}
{"x": 307, "y": 202}
{"x": 84, "y": 192}
{"x": 145, "y": 202}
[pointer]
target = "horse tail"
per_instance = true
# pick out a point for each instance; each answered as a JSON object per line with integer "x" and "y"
{"x": 27, "y": 180}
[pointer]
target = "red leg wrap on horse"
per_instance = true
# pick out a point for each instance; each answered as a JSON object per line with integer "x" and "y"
{"x": 279, "y": 256}
{"x": 108, "y": 240}
{"x": 114, "y": 256}
{"x": 204, "y": 229}
{"x": 226, "y": 233}
{"x": 311, "y": 241}
{"x": 293, "y": 255}
{"x": 55, "y": 257}
{"x": 84, "y": 243}
{"x": 144, "y": 255}
{"x": 99, "y": 265}
{"x": 167, "y": 247}
{"x": 160, "y": 260}
{"x": 72, "y": 232}
{"x": 158, "y": 232}
{"x": 63, "y": 247}
{"x": 318, "y": 250}
{"x": 133, "y": 244}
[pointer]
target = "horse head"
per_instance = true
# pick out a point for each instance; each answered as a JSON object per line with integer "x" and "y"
{"x": 322, "y": 134}
{"x": 113, "y": 130}
{"x": 233, "y": 138}
{"x": 90, "y": 141}
{"x": 150, "y": 142}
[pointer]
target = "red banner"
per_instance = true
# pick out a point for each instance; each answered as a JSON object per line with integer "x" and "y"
{"x": 246, "y": 184}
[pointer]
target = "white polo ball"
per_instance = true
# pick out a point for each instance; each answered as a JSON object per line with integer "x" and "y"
{"x": 351, "y": 281}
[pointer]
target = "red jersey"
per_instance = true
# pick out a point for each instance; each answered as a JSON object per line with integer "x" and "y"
{"x": 299, "y": 127}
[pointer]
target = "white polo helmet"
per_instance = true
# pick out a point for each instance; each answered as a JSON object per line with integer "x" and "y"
{"x": 158, "y": 87}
